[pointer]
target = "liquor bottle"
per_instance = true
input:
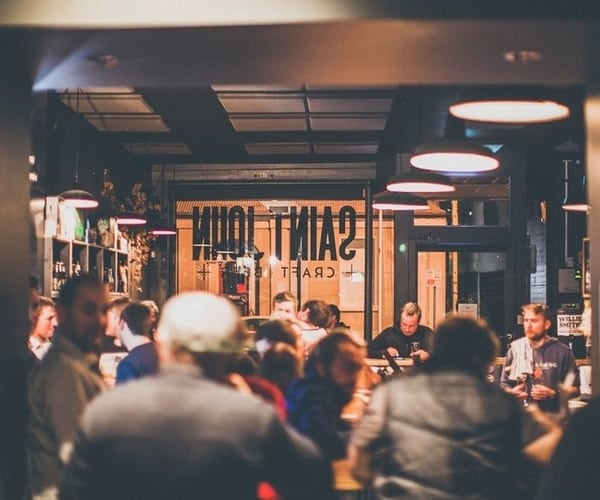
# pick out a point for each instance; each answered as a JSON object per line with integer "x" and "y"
{"x": 110, "y": 279}
{"x": 55, "y": 276}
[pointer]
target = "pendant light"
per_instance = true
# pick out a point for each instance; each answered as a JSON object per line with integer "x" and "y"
{"x": 131, "y": 219}
{"x": 416, "y": 181}
{"x": 510, "y": 105}
{"x": 453, "y": 154}
{"x": 77, "y": 197}
{"x": 575, "y": 198}
{"x": 163, "y": 229}
{"x": 576, "y": 205}
{"x": 398, "y": 201}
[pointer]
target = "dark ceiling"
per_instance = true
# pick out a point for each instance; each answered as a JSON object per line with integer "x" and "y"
{"x": 340, "y": 86}
{"x": 296, "y": 124}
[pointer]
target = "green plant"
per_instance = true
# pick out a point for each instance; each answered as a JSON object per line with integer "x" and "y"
{"x": 140, "y": 239}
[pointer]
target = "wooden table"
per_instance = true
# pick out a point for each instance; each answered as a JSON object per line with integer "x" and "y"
{"x": 383, "y": 363}
{"x": 406, "y": 362}
{"x": 342, "y": 477}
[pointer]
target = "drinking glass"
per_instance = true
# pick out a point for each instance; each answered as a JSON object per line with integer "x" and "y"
{"x": 414, "y": 347}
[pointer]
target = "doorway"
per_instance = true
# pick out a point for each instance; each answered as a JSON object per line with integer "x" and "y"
{"x": 464, "y": 281}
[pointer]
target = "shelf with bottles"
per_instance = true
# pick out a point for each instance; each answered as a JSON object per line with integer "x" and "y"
{"x": 64, "y": 257}
{"x": 115, "y": 274}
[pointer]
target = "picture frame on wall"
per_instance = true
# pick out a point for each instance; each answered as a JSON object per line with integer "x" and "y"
{"x": 586, "y": 278}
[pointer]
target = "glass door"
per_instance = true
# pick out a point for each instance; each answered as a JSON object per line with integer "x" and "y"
{"x": 462, "y": 281}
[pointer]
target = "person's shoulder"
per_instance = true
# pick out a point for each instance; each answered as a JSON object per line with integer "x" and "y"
{"x": 518, "y": 342}
{"x": 389, "y": 330}
{"x": 425, "y": 329}
{"x": 554, "y": 344}
{"x": 54, "y": 364}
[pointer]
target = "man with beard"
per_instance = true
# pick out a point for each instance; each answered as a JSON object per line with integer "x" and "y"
{"x": 315, "y": 402}
{"x": 537, "y": 364}
{"x": 64, "y": 382}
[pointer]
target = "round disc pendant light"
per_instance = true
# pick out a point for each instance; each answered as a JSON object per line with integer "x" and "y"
{"x": 420, "y": 182}
{"x": 131, "y": 219}
{"x": 398, "y": 201}
{"x": 510, "y": 111}
{"x": 452, "y": 156}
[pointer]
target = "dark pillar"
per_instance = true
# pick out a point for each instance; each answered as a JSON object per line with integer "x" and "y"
{"x": 15, "y": 112}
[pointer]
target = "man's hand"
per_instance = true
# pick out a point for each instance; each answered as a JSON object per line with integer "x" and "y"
{"x": 540, "y": 391}
{"x": 420, "y": 354}
{"x": 393, "y": 352}
{"x": 519, "y": 390}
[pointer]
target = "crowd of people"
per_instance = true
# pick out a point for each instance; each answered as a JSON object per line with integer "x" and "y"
{"x": 125, "y": 402}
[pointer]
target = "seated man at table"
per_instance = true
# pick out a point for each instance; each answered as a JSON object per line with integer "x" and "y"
{"x": 397, "y": 340}
{"x": 445, "y": 432}
{"x": 315, "y": 402}
{"x": 537, "y": 364}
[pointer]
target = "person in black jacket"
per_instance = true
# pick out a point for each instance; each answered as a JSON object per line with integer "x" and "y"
{"x": 405, "y": 339}
{"x": 315, "y": 402}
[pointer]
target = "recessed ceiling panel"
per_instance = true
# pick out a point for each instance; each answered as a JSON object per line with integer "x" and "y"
{"x": 262, "y": 103}
{"x": 96, "y": 90}
{"x": 351, "y": 88}
{"x": 268, "y": 124}
{"x": 331, "y": 148}
{"x": 254, "y": 88}
{"x": 157, "y": 148}
{"x": 349, "y": 105}
{"x": 288, "y": 148}
{"x": 106, "y": 103}
{"x": 348, "y": 122}
{"x": 128, "y": 123}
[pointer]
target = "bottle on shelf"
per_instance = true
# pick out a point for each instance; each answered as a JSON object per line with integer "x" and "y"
{"x": 76, "y": 269}
{"x": 109, "y": 279}
{"x": 55, "y": 276}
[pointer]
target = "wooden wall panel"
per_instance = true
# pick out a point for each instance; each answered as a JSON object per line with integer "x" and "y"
{"x": 334, "y": 281}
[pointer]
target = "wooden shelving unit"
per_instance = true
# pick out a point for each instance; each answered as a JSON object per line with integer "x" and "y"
{"x": 63, "y": 257}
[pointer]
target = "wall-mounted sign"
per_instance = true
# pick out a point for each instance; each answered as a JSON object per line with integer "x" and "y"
{"x": 568, "y": 324}
{"x": 468, "y": 309}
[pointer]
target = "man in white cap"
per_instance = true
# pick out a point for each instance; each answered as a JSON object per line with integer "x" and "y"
{"x": 181, "y": 435}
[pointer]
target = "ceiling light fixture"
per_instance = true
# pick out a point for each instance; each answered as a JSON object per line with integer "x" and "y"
{"x": 575, "y": 198}
{"x": 453, "y": 154}
{"x": 509, "y": 105}
{"x": 77, "y": 197}
{"x": 575, "y": 204}
{"x": 510, "y": 111}
{"x": 131, "y": 219}
{"x": 420, "y": 182}
{"x": 398, "y": 201}
{"x": 454, "y": 157}
{"x": 164, "y": 230}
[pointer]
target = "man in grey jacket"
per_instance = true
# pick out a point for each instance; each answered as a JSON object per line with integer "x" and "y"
{"x": 64, "y": 382}
{"x": 181, "y": 435}
{"x": 445, "y": 432}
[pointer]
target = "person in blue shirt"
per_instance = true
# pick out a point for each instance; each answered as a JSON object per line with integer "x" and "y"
{"x": 135, "y": 329}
